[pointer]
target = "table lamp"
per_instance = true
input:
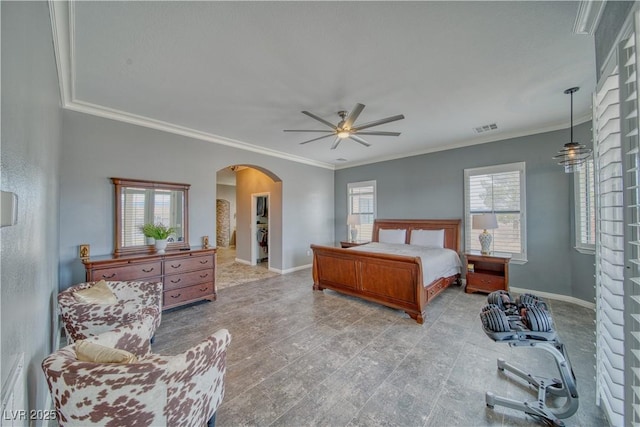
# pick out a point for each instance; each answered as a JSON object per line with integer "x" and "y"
{"x": 352, "y": 221}
{"x": 484, "y": 222}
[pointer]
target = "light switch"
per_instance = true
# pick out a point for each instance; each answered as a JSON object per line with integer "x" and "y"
{"x": 8, "y": 209}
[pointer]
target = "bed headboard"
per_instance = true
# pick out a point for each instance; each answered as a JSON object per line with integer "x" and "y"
{"x": 451, "y": 229}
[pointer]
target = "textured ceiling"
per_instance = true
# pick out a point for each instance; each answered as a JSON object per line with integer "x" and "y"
{"x": 243, "y": 71}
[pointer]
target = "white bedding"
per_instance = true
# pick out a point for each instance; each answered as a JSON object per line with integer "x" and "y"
{"x": 436, "y": 262}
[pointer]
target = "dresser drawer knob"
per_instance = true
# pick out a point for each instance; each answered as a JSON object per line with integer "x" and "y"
{"x": 204, "y": 261}
{"x": 202, "y": 276}
{"x": 203, "y": 289}
{"x": 176, "y": 266}
{"x": 176, "y": 296}
{"x": 111, "y": 276}
{"x": 147, "y": 271}
{"x": 176, "y": 281}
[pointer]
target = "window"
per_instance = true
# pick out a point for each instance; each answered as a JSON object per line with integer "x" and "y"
{"x": 142, "y": 206}
{"x": 362, "y": 202}
{"x": 585, "y": 211}
{"x": 499, "y": 189}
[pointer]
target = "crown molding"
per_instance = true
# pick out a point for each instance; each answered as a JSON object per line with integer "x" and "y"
{"x": 466, "y": 143}
{"x": 588, "y": 16}
{"x": 62, "y": 15}
{"x": 122, "y": 116}
{"x": 59, "y": 15}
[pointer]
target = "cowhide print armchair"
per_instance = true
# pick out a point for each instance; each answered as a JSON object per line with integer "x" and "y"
{"x": 181, "y": 390}
{"x": 135, "y": 299}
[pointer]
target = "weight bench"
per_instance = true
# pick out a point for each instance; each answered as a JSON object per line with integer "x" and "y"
{"x": 527, "y": 323}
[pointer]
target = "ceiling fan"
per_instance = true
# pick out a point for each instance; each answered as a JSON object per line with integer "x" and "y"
{"x": 346, "y": 129}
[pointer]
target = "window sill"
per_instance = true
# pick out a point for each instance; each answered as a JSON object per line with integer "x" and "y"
{"x": 586, "y": 251}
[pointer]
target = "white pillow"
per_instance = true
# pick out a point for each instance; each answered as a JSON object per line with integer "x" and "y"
{"x": 429, "y": 238}
{"x": 392, "y": 236}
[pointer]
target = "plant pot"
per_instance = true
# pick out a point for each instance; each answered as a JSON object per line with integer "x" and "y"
{"x": 161, "y": 245}
{"x": 151, "y": 241}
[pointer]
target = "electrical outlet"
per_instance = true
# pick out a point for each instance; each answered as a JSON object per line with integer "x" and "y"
{"x": 308, "y": 253}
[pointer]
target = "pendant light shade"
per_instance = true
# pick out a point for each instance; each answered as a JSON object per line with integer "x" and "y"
{"x": 573, "y": 155}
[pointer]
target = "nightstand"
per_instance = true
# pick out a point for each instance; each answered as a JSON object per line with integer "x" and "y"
{"x": 349, "y": 244}
{"x": 489, "y": 273}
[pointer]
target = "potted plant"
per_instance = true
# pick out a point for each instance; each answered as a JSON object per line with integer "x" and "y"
{"x": 160, "y": 233}
{"x": 147, "y": 230}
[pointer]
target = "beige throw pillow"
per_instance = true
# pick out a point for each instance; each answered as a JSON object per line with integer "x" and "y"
{"x": 96, "y": 294}
{"x": 90, "y": 352}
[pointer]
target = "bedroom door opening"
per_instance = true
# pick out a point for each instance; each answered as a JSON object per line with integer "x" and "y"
{"x": 260, "y": 228}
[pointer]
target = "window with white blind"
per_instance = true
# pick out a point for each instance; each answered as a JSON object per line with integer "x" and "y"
{"x": 142, "y": 206}
{"x": 133, "y": 204}
{"x": 585, "y": 210}
{"x": 362, "y": 202}
{"x": 499, "y": 189}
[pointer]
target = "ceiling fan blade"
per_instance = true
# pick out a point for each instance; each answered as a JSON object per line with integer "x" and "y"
{"x": 380, "y": 133}
{"x": 315, "y": 139}
{"x": 320, "y": 119}
{"x": 308, "y": 130}
{"x": 353, "y": 116}
{"x": 335, "y": 143}
{"x": 360, "y": 140}
{"x": 379, "y": 122}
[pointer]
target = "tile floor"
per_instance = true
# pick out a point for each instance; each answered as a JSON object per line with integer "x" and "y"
{"x": 300, "y": 357}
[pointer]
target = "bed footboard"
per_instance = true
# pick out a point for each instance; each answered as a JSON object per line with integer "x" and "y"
{"x": 391, "y": 280}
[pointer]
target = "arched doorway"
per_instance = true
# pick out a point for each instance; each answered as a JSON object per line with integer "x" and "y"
{"x": 251, "y": 198}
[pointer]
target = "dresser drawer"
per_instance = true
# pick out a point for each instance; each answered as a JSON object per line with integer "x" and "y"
{"x": 175, "y": 281}
{"x": 128, "y": 272}
{"x": 180, "y": 265}
{"x": 177, "y": 297}
{"x": 487, "y": 282}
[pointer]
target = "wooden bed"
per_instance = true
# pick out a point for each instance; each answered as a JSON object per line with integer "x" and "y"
{"x": 395, "y": 281}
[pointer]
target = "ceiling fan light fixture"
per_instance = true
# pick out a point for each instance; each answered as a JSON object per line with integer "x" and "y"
{"x": 346, "y": 129}
{"x": 573, "y": 154}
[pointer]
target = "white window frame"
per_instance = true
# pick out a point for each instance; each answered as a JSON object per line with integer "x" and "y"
{"x": 584, "y": 199}
{"x": 520, "y": 167}
{"x": 365, "y": 230}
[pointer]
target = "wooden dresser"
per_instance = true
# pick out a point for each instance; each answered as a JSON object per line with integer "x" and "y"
{"x": 187, "y": 276}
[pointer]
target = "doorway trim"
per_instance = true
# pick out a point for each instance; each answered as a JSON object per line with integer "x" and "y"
{"x": 254, "y": 228}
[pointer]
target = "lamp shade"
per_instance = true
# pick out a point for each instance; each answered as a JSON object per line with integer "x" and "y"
{"x": 353, "y": 219}
{"x": 486, "y": 221}
{"x": 573, "y": 154}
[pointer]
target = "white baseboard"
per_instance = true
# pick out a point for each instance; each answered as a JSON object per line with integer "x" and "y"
{"x": 558, "y": 297}
{"x": 242, "y": 261}
{"x": 291, "y": 270}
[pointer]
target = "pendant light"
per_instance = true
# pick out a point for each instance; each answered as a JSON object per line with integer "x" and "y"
{"x": 573, "y": 155}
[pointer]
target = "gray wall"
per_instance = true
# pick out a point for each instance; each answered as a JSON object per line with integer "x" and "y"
{"x": 95, "y": 149}
{"x": 31, "y": 120}
{"x": 432, "y": 186}
{"x": 248, "y": 182}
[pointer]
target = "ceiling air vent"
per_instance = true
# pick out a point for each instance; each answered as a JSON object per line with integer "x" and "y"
{"x": 486, "y": 128}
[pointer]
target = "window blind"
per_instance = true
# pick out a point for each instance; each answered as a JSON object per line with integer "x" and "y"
{"x": 133, "y": 204}
{"x": 362, "y": 202}
{"x": 498, "y": 189}
{"x": 609, "y": 251}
